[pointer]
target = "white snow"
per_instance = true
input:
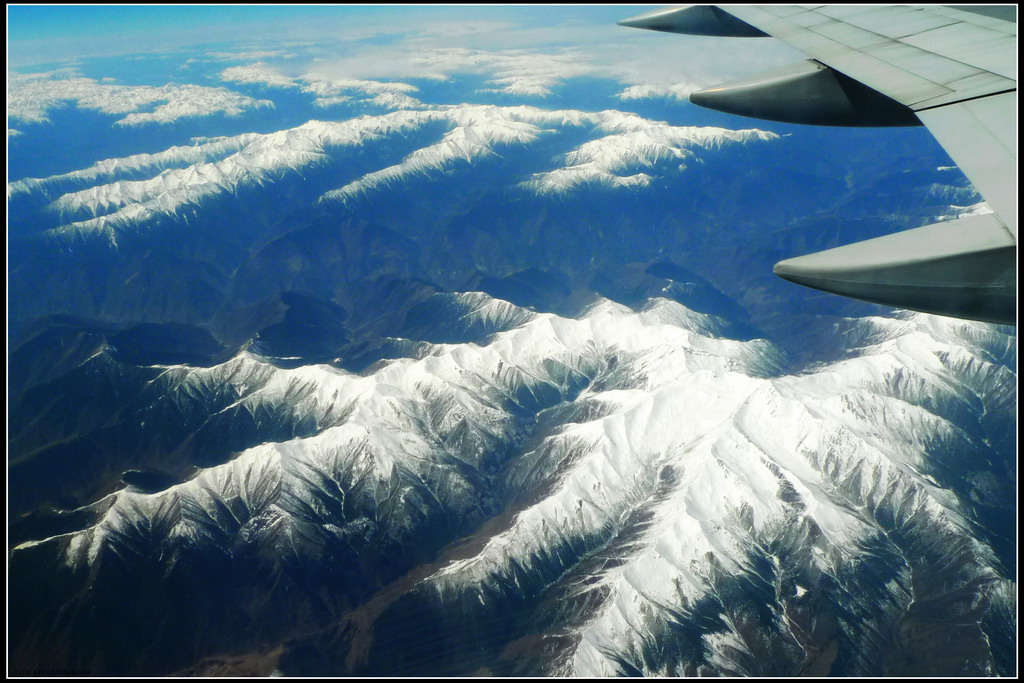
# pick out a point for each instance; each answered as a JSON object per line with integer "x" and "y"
{"x": 111, "y": 169}
{"x": 616, "y": 160}
{"x": 474, "y": 132}
{"x": 718, "y": 458}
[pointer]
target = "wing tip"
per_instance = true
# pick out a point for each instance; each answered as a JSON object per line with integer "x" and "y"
{"x": 964, "y": 269}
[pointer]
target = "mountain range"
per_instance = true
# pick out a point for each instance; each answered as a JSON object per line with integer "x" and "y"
{"x": 473, "y": 389}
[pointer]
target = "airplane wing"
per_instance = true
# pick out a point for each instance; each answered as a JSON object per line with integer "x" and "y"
{"x": 950, "y": 68}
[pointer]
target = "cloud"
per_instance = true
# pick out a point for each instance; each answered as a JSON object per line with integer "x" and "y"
{"x": 328, "y": 92}
{"x": 248, "y": 56}
{"x": 332, "y": 87}
{"x": 518, "y": 53}
{"x": 258, "y": 73}
{"x": 516, "y": 72}
{"x": 678, "y": 91}
{"x": 646, "y": 68}
{"x": 32, "y": 96}
{"x": 459, "y": 29}
{"x": 532, "y": 73}
{"x": 396, "y": 44}
{"x": 534, "y": 52}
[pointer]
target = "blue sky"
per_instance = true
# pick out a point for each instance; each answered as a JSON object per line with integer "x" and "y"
{"x": 50, "y": 21}
{"x": 27, "y": 22}
{"x": 52, "y": 33}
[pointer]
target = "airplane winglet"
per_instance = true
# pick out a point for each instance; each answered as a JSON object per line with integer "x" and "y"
{"x": 965, "y": 268}
{"x": 696, "y": 20}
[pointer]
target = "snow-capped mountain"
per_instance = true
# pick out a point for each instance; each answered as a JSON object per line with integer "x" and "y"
{"x": 472, "y": 132}
{"x": 603, "y": 161}
{"x": 133, "y": 167}
{"x": 474, "y": 389}
{"x": 620, "y": 492}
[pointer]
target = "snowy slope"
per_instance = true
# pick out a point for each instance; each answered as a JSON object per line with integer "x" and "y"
{"x": 475, "y": 389}
{"x": 472, "y": 132}
{"x": 643, "y": 476}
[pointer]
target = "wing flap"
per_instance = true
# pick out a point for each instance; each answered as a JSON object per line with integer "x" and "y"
{"x": 981, "y": 137}
{"x": 889, "y": 22}
{"x": 925, "y": 50}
